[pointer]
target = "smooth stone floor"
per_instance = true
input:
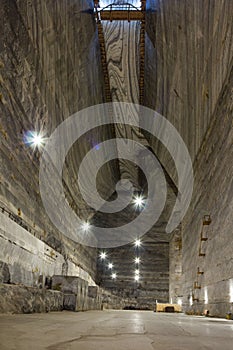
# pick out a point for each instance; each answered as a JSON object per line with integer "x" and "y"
{"x": 114, "y": 330}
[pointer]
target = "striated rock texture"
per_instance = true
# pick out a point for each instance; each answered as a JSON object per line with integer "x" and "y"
{"x": 154, "y": 261}
{"x": 188, "y": 79}
{"x": 213, "y": 195}
{"x": 49, "y": 68}
{"x": 21, "y": 299}
{"x": 154, "y": 276}
{"x": 122, "y": 55}
{"x": 188, "y": 57}
{"x": 27, "y": 260}
{"x": 175, "y": 267}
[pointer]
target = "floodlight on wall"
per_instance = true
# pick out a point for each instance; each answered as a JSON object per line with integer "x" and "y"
{"x": 86, "y": 226}
{"x": 179, "y": 301}
{"x": 231, "y": 290}
{"x": 34, "y": 139}
{"x": 138, "y": 201}
{"x": 110, "y": 265}
{"x": 137, "y": 243}
{"x": 206, "y": 295}
{"x": 103, "y": 255}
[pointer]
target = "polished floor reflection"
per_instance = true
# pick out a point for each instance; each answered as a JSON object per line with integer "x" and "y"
{"x": 115, "y": 330}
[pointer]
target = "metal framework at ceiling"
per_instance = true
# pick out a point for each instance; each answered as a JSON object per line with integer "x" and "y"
{"x": 123, "y": 12}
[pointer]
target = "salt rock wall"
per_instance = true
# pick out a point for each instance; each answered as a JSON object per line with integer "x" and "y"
{"x": 213, "y": 195}
{"x": 188, "y": 79}
{"x": 188, "y": 57}
{"x": 49, "y": 68}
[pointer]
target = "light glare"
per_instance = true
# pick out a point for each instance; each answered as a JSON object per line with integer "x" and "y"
{"x": 114, "y": 275}
{"x": 103, "y": 255}
{"x": 86, "y": 226}
{"x": 136, "y": 278}
{"x": 137, "y": 243}
{"x": 137, "y": 260}
{"x": 34, "y": 139}
{"x": 179, "y": 302}
{"x": 110, "y": 265}
{"x": 138, "y": 201}
{"x": 206, "y": 295}
{"x": 231, "y": 290}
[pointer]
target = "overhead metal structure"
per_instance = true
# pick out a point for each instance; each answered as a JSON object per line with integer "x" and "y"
{"x": 126, "y": 12}
{"x": 123, "y": 11}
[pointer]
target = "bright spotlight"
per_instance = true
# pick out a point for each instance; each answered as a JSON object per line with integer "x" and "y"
{"x": 114, "y": 275}
{"x": 179, "y": 302}
{"x": 86, "y": 226}
{"x": 103, "y": 255}
{"x": 138, "y": 201}
{"x": 110, "y": 265}
{"x": 102, "y": 4}
{"x": 137, "y": 3}
{"x": 37, "y": 140}
{"x": 34, "y": 139}
{"x": 137, "y": 272}
{"x": 136, "y": 278}
{"x": 137, "y": 260}
{"x": 137, "y": 243}
{"x": 206, "y": 295}
{"x": 231, "y": 290}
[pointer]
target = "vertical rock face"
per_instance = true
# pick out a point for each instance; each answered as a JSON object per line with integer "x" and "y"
{"x": 20, "y": 299}
{"x": 122, "y": 49}
{"x": 153, "y": 272}
{"x": 50, "y": 68}
{"x": 123, "y": 61}
{"x": 175, "y": 267}
{"x": 188, "y": 57}
{"x": 213, "y": 195}
{"x": 188, "y": 79}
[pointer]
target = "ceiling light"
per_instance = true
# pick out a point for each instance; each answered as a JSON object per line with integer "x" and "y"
{"x": 37, "y": 140}
{"x": 114, "y": 275}
{"x": 103, "y": 255}
{"x": 110, "y": 265}
{"x": 138, "y": 201}
{"x": 137, "y": 272}
{"x": 34, "y": 139}
{"x": 86, "y": 226}
{"x": 136, "y": 278}
{"x": 137, "y": 243}
{"x": 137, "y": 260}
